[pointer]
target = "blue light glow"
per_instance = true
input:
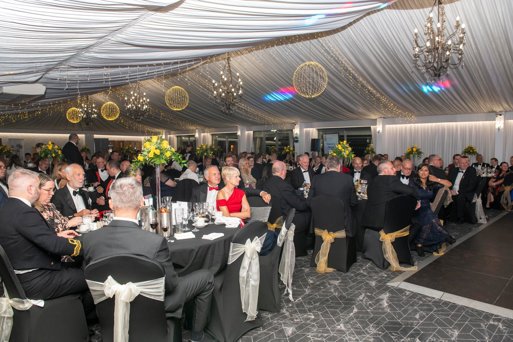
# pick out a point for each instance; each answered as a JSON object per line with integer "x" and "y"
{"x": 313, "y": 19}
{"x": 282, "y": 94}
{"x": 435, "y": 87}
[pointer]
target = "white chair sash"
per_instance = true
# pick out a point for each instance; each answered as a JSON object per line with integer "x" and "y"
{"x": 480, "y": 214}
{"x": 249, "y": 273}
{"x": 124, "y": 294}
{"x": 6, "y": 313}
{"x": 288, "y": 258}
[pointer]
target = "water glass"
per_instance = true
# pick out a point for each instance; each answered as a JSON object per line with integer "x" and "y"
{"x": 153, "y": 220}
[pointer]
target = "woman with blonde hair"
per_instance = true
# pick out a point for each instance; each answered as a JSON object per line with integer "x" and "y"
{"x": 231, "y": 200}
{"x": 245, "y": 173}
{"x": 59, "y": 176}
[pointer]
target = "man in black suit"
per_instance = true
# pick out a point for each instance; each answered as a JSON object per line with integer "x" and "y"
{"x": 71, "y": 152}
{"x": 284, "y": 198}
{"x": 371, "y": 171}
{"x": 302, "y": 174}
{"x": 332, "y": 183}
{"x": 123, "y": 236}
{"x": 33, "y": 247}
{"x": 435, "y": 166}
{"x": 42, "y": 166}
{"x": 465, "y": 180}
{"x": 479, "y": 162}
{"x": 72, "y": 200}
{"x": 405, "y": 175}
{"x": 382, "y": 189}
{"x": 258, "y": 167}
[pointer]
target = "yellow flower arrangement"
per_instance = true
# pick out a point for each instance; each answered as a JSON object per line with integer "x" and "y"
{"x": 288, "y": 150}
{"x": 5, "y": 150}
{"x": 469, "y": 151}
{"x": 343, "y": 151}
{"x": 205, "y": 150}
{"x": 51, "y": 151}
{"x": 156, "y": 151}
{"x": 413, "y": 151}
{"x": 370, "y": 149}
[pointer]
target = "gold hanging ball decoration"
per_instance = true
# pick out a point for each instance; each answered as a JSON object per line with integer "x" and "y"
{"x": 74, "y": 115}
{"x": 110, "y": 111}
{"x": 177, "y": 98}
{"x": 310, "y": 79}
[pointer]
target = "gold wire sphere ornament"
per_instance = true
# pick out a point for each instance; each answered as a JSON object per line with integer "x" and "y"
{"x": 177, "y": 98}
{"x": 74, "y": 115}
{"x": 310, "y": 79}
{"x": 110, "y": 111}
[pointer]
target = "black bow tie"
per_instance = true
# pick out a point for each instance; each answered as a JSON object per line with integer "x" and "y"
{"x": 461, "y": 171}
{"x": 305, "y": 171}
{"x": 405, "y": 177}
{"x": 356, "y": 171}
{"x": 76, "y": 192}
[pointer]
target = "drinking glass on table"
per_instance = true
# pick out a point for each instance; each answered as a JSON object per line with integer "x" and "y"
{"x": 153, "y": 220}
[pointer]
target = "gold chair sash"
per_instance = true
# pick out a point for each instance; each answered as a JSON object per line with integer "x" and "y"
{"x": 321, "y": 259}
{"x": 506, "y": 198}
{"x": 389, "y": 250}
{"x": 277, "y": 224}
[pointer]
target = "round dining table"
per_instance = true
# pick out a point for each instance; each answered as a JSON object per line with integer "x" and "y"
{"x": 190, "y": 255}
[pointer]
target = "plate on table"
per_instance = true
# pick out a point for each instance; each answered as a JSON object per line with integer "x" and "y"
{"x": 83, "y": 228}
{"x": 200, "y": 224}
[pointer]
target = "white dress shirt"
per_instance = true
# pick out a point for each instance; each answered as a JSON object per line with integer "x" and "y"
{"x": 306, "y": 176}
{"x": 103, "y": 174}
{"x": 188, "y": 174}
{"x": 77, "y": 199}
{"x": 356, "y": 175}
{"x": 211, "y": 197}
{"x": 457, "y": 181}
{"x": 404, "y": 180}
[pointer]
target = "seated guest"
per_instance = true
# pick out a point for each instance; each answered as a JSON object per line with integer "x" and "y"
{"x": 32, "y": 245}
{"x": 356, "y": 170}
{"x": 50, "y": 213}
{"x": 27, "y": 162}
{"x": 59, "y": 176}
{"x": 207, "y": 192}
{"x": 335, "y": 184}
{"x": 479, "y": 164}
{"x": 427, "y": 233}
{"x": 229, "y": 160}
{"x": 284, "y": 198}
{"x": 496, "y": 187}
{"x": 371, "y": 170}
{"x": 124, "y": 166}
{"x": 123, "y": 236}
{"x": 318, "y": 167}
{"x": 98, "y": 175}
{"x": 464, "y": 180}
{"x": 4, "y": 190}
{"x": 302, "y": 175}
{"x": 231, "y": 200}
{"x": 72, "y": 200}
{"x": 42, "y": 166}
{"x": 455, "y": 163}
{"x": 190, "y": 172}
{"x": 405, "y": 174}
{"x": 398, "y": 162}
{"x": 494, "y": 164}
{"x": 14, "y": 163}
{"x": 436, "y": 166}
{"x": 245, "y": 172}
{"x": 383, "y": 188}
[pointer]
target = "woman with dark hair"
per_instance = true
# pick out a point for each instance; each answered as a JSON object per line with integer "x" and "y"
{"x": 14, "y": 163}
{"x": 496, "y": 186}
{"x": 428, "y": 233}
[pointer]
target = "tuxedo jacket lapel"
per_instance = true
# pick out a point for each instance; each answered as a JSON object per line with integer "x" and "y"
{"x": 69, "y": 201}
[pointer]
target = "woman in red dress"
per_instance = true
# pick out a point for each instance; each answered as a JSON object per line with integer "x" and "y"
{"x": 231, "y": 200}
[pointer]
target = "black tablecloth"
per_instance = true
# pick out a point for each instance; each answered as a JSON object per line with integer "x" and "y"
{"x": 194, "y": 254}
{"x": 358, "y": 211}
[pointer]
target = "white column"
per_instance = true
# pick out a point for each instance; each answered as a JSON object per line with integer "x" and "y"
{"x": 173, "y": 141}
{"x": 89, "y": 142}
{"x": 380, "y": 136}
{"x": 241, "y": 139}
{"x": 499, "y": 136}
{"x": 249, "y": 141}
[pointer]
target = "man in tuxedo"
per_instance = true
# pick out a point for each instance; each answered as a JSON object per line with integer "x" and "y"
{"x": 435, "y": 166}
{"x": 335, "y": 184}
{"x": 42, "y": 166}
{"x": 33, "y": 247}
{"x": 71, "y": 152}
{"x": 123, "y": 236}
{"x": 258, "y": 167}
{"x": 494, "y": 164}
{"x": 405, "y": 175}
{"x": 72, "y": 200}
{"x": 302, "y": 174}
{"x": 284, "y": 198}
{"x": 479, "y": 162}
{"x": 356, "y": 169}
{"x": 455, "y": 163}
{"x": 382, "y": 189}
{"x": 464, "y": 180}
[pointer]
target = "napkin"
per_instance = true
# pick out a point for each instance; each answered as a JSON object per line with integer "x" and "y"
{"x": 183, "y": 236}
{"x": 230, "y": 222}
{"x": 212, "y": 236}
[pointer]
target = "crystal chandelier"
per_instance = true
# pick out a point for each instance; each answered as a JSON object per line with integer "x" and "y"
{"x": 227, "y": 92}
{"x": 137, "y": 104}
{"x": 439, "y": 52}
{"x": 88, "y": 110}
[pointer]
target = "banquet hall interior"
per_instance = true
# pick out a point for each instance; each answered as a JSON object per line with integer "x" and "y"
{"x": 252, "y": 84}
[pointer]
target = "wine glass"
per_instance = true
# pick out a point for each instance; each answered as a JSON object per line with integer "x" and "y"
{"x": 153, "y": 220}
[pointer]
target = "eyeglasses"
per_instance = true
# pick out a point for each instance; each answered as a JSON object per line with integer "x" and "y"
{"x": 48, "y": 190}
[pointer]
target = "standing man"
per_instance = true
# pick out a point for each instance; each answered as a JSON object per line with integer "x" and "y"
{"x": 302, "y": 174}
{"x": 71, "y": 152}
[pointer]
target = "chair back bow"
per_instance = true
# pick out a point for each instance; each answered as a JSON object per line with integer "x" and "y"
{"x": 276, "y": 224}
{"x": 288, "y": 257}
{"x": 6, "y": 313}
{"x": 321, "y": 259}
{"x": 249, "y": 273}
{"x": 389, "y": 250}
{"x": 506, "y": 198}
{"x": 124, "y": 294}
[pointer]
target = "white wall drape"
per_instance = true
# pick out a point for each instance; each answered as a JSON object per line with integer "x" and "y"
{"x": 508, "y": 138}
{"x": 444, "y": 139}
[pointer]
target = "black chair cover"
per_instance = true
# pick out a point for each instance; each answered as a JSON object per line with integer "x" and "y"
{"x": 328, "y": 213}
{"x": 147, "y": 316}
{"x": 227, "y": 321}
{"x": 398, "y": 214}
{"x": 256, "y": 201}
{"x": 183, "y": 192}
{"x": 61, "y": 319}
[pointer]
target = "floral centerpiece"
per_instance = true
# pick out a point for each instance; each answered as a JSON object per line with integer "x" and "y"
{"x": 50, "y": 151}
{"x": 413, "y": 151}
{"x": 5, "y": 150}
{"x": 288, "y": 150}
{"x": 343, "y": 151}
{"x": 129, "y": 151}
{"x": 370, "y": 150}
{"x": 205, "y": 150}
{"x": 85, "y": 149}
{"x": 469, "y": 150}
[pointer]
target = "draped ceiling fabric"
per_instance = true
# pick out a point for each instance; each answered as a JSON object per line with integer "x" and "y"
{"x": 84, "y": 46}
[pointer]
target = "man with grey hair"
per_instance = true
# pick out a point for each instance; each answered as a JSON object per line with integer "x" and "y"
{"x": 33, "y": 247}
{"x": 335, "y": 184}
{"x": 123, "y": 236}
{"x": 190, "y": 172}
{"x": 383, "y": 188}
{"x": 405, "y": 175}
{"x": 303, "y": 174}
